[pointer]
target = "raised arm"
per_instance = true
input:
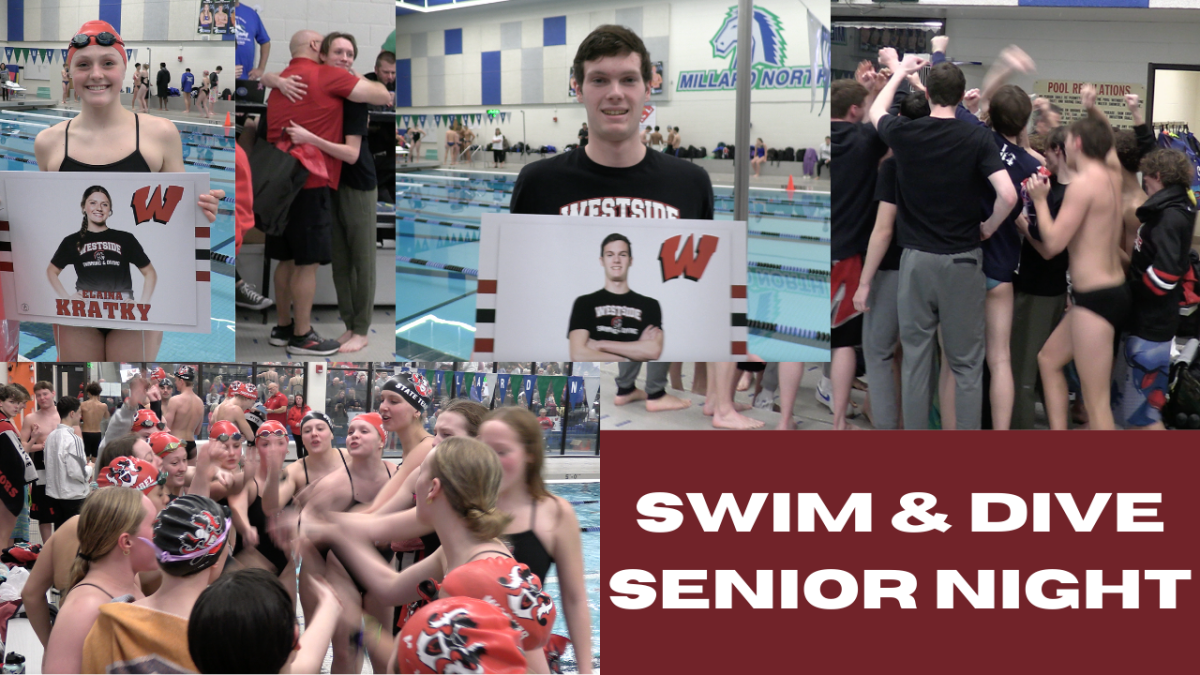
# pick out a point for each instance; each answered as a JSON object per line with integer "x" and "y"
{"x": 900, "y": 71}
{"x": 1012, "y": 59}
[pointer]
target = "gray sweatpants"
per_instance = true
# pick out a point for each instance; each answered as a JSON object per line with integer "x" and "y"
{"x": 881, "y": 332}
{"x": 946, "y": 290}
{"x": 354, "y": 256}
{"x": 1034, "y": 318}
{"x": 656, "y": 376}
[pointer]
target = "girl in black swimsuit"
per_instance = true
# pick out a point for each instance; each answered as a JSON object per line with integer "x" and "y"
{"x": 544, "y": 528}
{"x": 106, "y": 566}
{"x": 456, "y": 492}
{"x": 104, "y": 140}
{"x": 361, "y": 477}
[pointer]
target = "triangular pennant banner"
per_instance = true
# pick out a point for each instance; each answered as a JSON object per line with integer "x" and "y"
{"x": 458, "y": 384}
{"x": 64, "y": 56}
{"x": 501, "y": 389}
{"x": 8, "y": 52}
{"x": 129, "y": 54}
{"x": 437, "y": 120}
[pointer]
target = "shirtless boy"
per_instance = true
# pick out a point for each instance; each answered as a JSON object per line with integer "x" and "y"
{"x": 92, "y": 413}
{"x": 185, "y": 409}
{"x": 1089, "y": 226}
{"x": 36, "y": 427}
{"x": 242, "y": 397}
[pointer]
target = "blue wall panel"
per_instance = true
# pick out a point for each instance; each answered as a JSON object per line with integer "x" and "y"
{"x": 16, "y": 20}
{"x": 554, "y": 31}
{"x": 491, "y": 78}
{"x": 110, "y": 11}
{"x": 403, "y": 83}
{"x": 453, "y": 41}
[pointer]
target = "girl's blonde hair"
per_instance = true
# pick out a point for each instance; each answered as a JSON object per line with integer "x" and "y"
{"x": 470, "y": 475}
{"x": 106, "y": 514}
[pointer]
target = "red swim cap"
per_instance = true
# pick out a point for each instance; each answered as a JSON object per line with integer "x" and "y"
{"x": 510, "y": 586}
{"x": 95, "y": 28}
{"x": 460, "y": 635}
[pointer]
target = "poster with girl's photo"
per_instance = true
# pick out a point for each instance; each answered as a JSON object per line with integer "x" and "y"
{"x": 106, "y": 250}
{"x": 216, "y": 18}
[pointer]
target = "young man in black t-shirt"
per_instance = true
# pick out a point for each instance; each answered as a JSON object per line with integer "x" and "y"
{"x": 943, "y": 169}
{"x": 614, "y": 175}
{"x": 1040, "y": 289}
{"x": 614, "y": 321}
{"x": 858, "y": 149}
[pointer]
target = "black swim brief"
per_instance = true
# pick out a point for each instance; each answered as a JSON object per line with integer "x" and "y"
{"x": 1113, "y": 304}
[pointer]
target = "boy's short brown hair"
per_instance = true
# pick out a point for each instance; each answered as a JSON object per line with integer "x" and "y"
{"x": 610, "y": 40}
{"x": 327, "y": 43}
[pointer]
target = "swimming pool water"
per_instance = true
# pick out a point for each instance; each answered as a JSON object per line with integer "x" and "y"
{"x": 206, "y": 148}
{"x": 438, "y": 213}
{"x": 585, "y": 498}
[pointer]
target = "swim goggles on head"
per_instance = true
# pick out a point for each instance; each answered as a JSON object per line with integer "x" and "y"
{"x": 225, "y": 437}
{"x": 104, "y": 39}
{"x": 149, "y": 423}
{"x": 267, "y": 432}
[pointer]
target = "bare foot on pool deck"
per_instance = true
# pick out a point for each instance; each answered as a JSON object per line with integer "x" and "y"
{"x": 635, "y": 395}
{"x": 345, "y": 337}
{"x": 735, "y": 421}
{"x": 787, "y": 423}
{"x": 666, "y": 402}
{"x": 738, "y": 407}
{"x": 354, "y": 344}
{"x": 744, "y": 382}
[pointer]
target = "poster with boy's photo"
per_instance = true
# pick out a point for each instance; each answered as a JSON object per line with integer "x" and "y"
{"x": 644, "y": 287}
{"x": 223, "y": 19}
{"x": 106, "y": 250}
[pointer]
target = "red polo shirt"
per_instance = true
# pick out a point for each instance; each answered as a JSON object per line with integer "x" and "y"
{"x": 277, "y": 401}
{"x": 320, "y": 111}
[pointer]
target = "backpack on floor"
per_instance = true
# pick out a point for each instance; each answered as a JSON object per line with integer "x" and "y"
{"x": 772, "y": 155}
{"x": 701, "y": 153}
{"x": 789, "y": 155}
{"x": 690, "y": 153}
{"x": 1182, "y": 410}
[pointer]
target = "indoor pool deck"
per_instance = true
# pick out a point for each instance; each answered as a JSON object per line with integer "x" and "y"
{"x": 809, "y": 414}
{"x": 206, "y": 148}
{"x": 437, "y": 254}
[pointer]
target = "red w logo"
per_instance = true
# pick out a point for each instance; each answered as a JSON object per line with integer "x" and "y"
{"x": 689, "y": 263}
{"x": 155, "y": 207}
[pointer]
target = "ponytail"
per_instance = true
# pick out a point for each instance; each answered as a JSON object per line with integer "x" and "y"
{"x": 486, "y": 523}
{"x": 470, "y": 474}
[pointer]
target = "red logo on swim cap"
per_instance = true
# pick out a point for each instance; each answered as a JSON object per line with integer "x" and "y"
{"x": 421, "y": 385}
